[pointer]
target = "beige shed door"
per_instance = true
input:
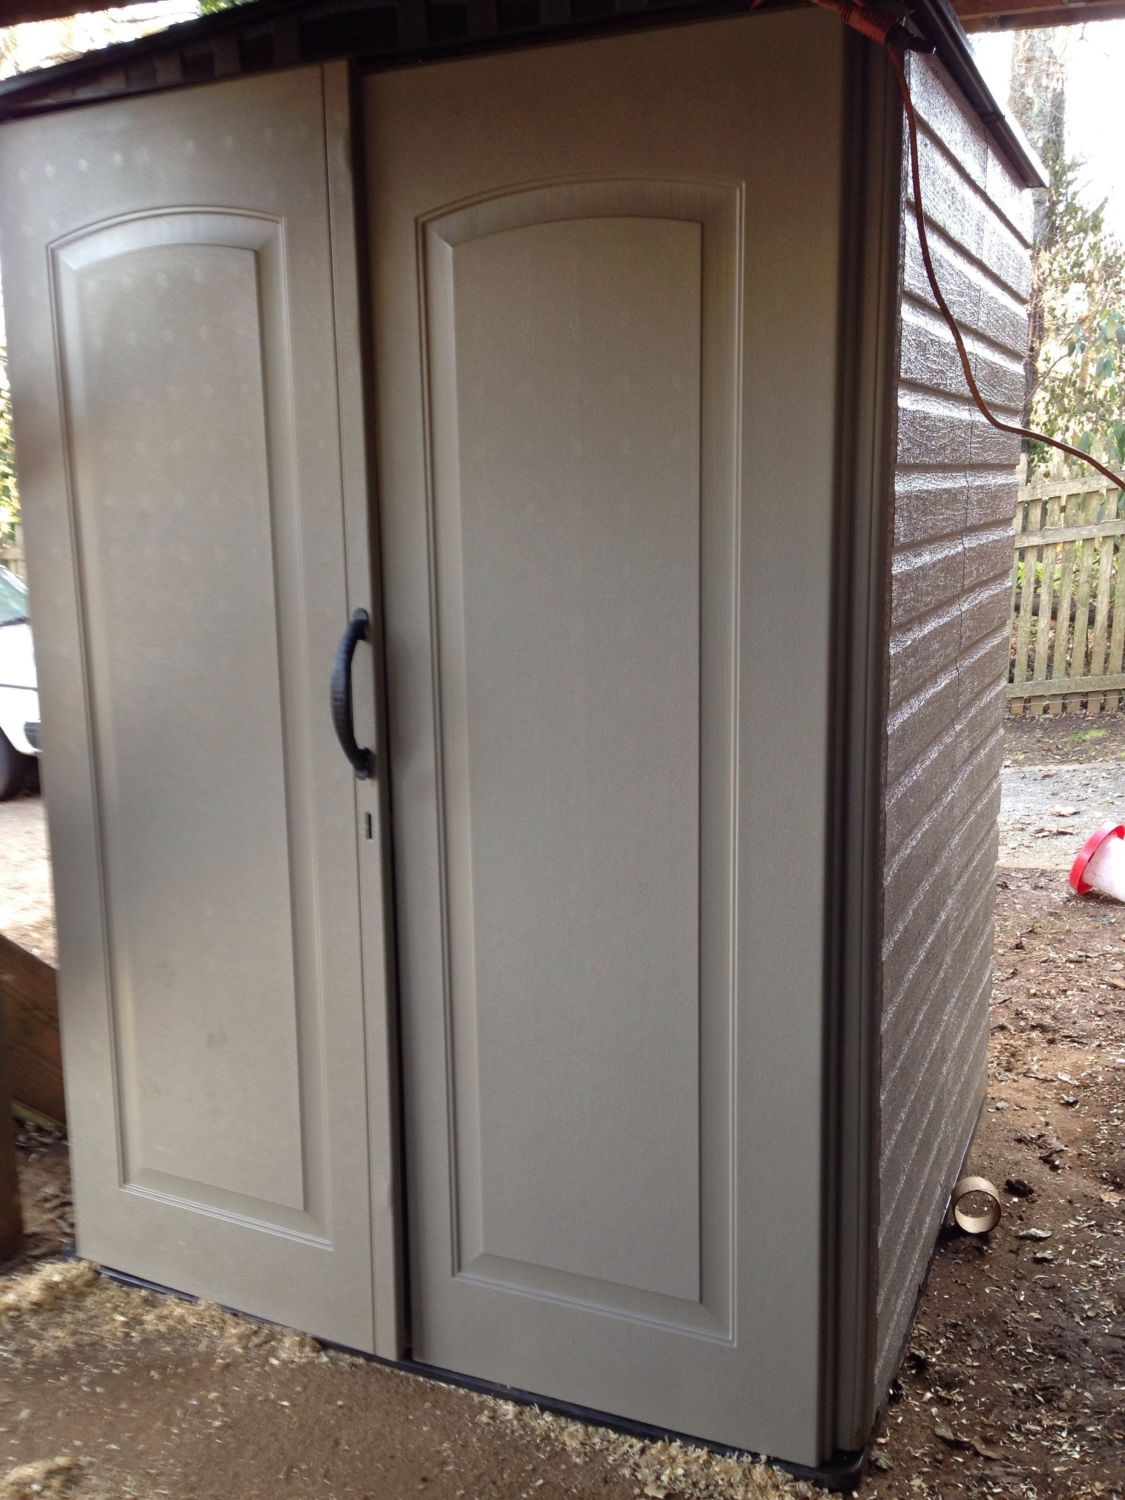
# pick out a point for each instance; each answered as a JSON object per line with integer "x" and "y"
{"x": 168, "y": 271}
{"x": 605, "y": 298}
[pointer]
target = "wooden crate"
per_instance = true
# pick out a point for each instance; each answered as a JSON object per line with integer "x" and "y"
{"x": 29, "y": 996}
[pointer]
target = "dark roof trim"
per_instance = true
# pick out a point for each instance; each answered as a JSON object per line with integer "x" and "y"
{"x": 938, "y": 22}
{"x": 282, "y": 33}
{"x": 273, "y": 34}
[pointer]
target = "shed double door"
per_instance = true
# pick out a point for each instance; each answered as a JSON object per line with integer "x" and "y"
{"x": 604, "y": 296}
{"x": 605, "y": 301}
{"x": 180, "y": 284}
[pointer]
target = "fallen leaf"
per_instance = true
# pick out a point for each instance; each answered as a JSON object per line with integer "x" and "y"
{"x": 985, "y": 1451}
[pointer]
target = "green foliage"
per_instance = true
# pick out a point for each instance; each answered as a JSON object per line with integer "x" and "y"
{"x": 210, "y": 7}
{"x": 1083, "y": 736}
{"x": 1078, "y": 310}
{"x": 9, "y": 495}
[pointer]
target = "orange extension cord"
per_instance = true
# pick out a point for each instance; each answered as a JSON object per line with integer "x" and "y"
{"x": 879, "y": 28}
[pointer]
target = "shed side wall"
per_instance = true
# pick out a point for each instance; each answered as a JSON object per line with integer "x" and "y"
{"x": 950, "y": 560}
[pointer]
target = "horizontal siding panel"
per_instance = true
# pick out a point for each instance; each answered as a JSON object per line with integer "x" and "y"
{"x": 914, "y": 958}
{"x": 928, "y": 644}
{"x": 929, "y": 358}
{"x": 984, "y": 667}
{"x": 994, "y": 448}
{"x": 941, "y": 114}
{"x": 917, "y": 951}
{"x": 921, "y": 721}
{"x": 949, "y": 765}
{"x": 961, "y": 212}
{"x": 982, "y": 304}
{"x": 945, "y": 1051}
{"x": 928, "y": 505}
{"x": 987, "y": 713}
{"x": 963, "y": 1058}
{"x": 937, "y": 431}
{"x": 917, "y": 1026}
{"x": 915, "y": 794}
{"x": 931, "y": 504}
{"x": 985, "y": 610}
{"x": 988, "y": 554}
{"x": 913, "y": 1172}
{"x": 990, "y": 501}
{"x": 924, "y": 577}
{"x": 962, "y": 1043}
{"x": 948, "y": 582}
{"x": 937, "y": 641}
{"x": 934, "y": 430}
{"x": 979, "y": 787}
{"x": 950, "y": 1132}
{"x": 945, "y": 671}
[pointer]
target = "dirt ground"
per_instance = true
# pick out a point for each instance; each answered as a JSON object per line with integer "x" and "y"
{"x": 27, "y": 898}
{"x": 1012, "y": 1386}
{"x": 1062, "y": 777}
{"x": 1039, "y": 740}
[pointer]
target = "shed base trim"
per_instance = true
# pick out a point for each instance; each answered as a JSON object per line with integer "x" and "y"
{"x": 840, "y": 1473}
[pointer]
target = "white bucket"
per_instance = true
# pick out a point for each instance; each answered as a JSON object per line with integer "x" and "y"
{"x": 1100, "y": 865}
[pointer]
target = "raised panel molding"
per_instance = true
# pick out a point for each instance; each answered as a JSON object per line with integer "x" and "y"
{"x": 649, "y": 1235}
{"x": 175, "y": 381}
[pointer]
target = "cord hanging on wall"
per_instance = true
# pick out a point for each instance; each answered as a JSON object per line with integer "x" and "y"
{"x": 894, "y": 38}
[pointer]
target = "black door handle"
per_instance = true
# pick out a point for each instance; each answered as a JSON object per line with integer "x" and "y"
{"x": 341, "y": 693}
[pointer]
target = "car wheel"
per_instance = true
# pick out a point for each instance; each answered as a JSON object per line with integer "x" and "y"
{"x": 13, "y": 769}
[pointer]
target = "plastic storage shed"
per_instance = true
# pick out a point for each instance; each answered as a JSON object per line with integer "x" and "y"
{"x": 637, "y": 1002}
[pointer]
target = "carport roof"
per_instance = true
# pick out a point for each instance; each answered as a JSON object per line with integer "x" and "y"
{"x": 273, "y": 34}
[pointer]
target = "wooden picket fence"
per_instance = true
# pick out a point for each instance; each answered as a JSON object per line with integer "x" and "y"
{"x": 11, "y": 553}
{"x": 1068, "y": 598}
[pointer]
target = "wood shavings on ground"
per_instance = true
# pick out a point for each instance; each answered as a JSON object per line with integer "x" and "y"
{"x": 53, "y": 1479}
{"x": 663, "y": 1470}
{"x": 46, "y": 1288}
{"x": 189, "y": 1378}
{"x": 72, "y": 1306}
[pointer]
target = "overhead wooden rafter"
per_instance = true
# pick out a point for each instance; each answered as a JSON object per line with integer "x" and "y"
{"x": 13, "y": 12}
{"x": 1014, "y": 15}
{"x": 975, "y": 15}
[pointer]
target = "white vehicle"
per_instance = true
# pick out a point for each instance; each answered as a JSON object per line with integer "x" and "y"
{"x": 19, "y": 695}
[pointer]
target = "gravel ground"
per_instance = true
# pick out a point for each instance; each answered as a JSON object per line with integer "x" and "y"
{"x": 1048, "y": 812}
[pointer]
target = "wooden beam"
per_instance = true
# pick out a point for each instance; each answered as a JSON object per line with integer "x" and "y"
{"x": 1020, "y": 15}
{"x": 30, "y": 1005}
{"x": 13, "y": 12}
{"x": 974, "y": 15}
{"x": 11, "y": 1218}
{"x": 1068, "y": 687}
